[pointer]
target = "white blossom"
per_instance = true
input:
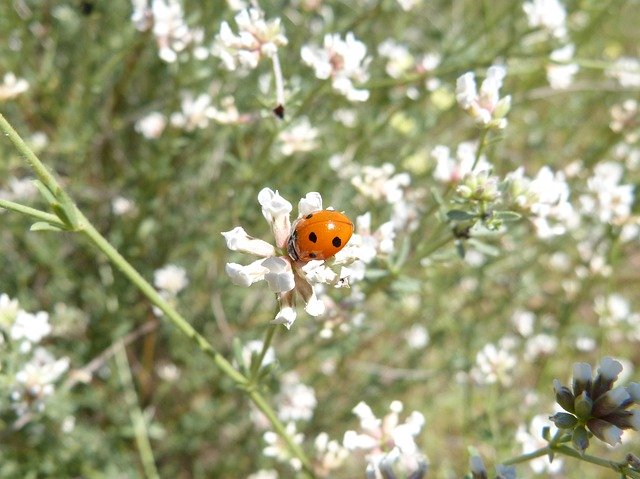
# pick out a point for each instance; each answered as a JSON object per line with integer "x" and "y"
{"x": 547, "y": 14}
{"x": 151, "y": 125}
{"x": 485, "y": 107}
{"x": 171, "y": 279}
{"x": 12, "y": 86}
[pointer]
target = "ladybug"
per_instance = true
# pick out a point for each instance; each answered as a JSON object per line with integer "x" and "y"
{"x": 319, "y": 235}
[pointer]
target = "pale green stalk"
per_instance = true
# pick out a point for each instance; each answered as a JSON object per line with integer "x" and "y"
{"x": 137, "y": 418}
{"x": 34, "y": 213}
{"x": 83, "y": 225}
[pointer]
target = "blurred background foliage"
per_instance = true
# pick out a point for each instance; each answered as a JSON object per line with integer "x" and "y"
{"x": 92, "y": 76}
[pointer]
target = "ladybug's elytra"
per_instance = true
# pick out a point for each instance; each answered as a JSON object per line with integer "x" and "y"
{"x": 319, "y": 235}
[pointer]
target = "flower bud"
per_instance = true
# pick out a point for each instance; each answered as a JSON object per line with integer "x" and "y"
{"x": 564, "y": 420}
{"x": 583, "y": 406}
{"x": 610, "y": 401}
{"x": 580, "y": 439}
{"x": 581, "y": 378}
{"x": 605, "y": 431}
{"x": 564, "y": 396}
{"x": 607, "y": 375}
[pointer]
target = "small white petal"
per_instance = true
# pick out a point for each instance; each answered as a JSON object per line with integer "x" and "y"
{"x": 280, "y": 276}
{"x": 609, "y": 368}
{"x": 286, "y": 316}
{"x": 238, "y": 240}
{"x": 314, "y": 307}
{"x": 246, "y": 275}
{"x": 310, "y": 203}
{"x": 276, "y": 211}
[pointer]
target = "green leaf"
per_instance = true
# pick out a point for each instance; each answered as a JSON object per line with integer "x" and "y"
{"x": 44, "y": 226}
{"x": 46, "y": 194}
{"x": 485, "y": 248}
{"x": 507, "y": 215}
{"x": 459, "y": 215}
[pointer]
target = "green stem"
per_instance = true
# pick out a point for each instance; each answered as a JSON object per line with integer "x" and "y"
{"x": 481, "y": 145}
{"x": 255, "y": 368}
{"x": 84, "y": 225}
{"x": 34, "y": 213}
{"x": 137, "y": 418}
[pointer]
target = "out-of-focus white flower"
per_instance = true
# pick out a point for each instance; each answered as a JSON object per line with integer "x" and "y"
{"x": 30, "y": 327}
{"x": 170, "y": 278}
{"x": 299, "y": 138}
{"x": 531, "y": 439}
{"x": 8, "y": 311}
{"x": 408, "y": 5}
{"x": 609, "y": 200}
{"x": 257, "y": 38}
{"x": 264, "y": 474}
{"x": 12, "y": 86}
{"x": 494, "y": 364}
{"x": 286, "y": 277}
{"x": 330, "y": 454}
{"x": 399, "y": 59}
{"x": 381, "y": 437}
{"x": 625, "y": 119}
{"x": 35, "y": 381}
{"x": 627, "y": 71}
{"x": 19, "y": 189}
{"x": 485, "y": 107}
{"x": 547, "y": 14}
{"x": 196, "y": 112}
{"x": 345, "y": 62}
{"x": 381, "y": 183}
{"x": 166, "y": 18}
{"x": 279, "y": 450}
{"x": 560, "y": 72}
{"x": 540, "y": 345}
{"x": 151, "y": 125}
{"x": 417, "y": 337}
{"x": 121, "y": 205}
{"x": 451, "y": 170}
{"x": 523, "y": 322}
{"x": 296, "y": 401}
{"x": 228, "y": 113}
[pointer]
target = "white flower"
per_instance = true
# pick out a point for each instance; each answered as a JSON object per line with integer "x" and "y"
{"x": 381, "y": 183}
{"x": 381, "y": 437}
{"x": 485, "y": 107}
{"x": 609, "y": 200}
{"x": 560, "y": 72}
{"x": 196, "y": 112}
{"x": 257, "y": 38}
{"x": 417, "y": 337}
{"x": 170, "y": 278}
{"x": 152, "y": 125}
{"x": 279, "y": 450}
{"x": 255, "y": 348}
{"x": 286, "y": 277}
{"x": 451, "y": 170}
{"x": 494, "y": 365}
{"x": 12, "y": 86}
{"x": 399, "y": 59}
{"x": 121, "y": 205}
{"x": 296, "y": 401}
{"x": 345, "y": 62}
{"x": 547, "y": 14}
{"x": 298, "y": 138}
{"x": 330, "y": 454}
{"x": 627, "y": 71}
{"x": 31, "y": 327}
{"x": 172, "y": 33}
{"x": 8, "y": 310}
{"x": 34, "y": 382}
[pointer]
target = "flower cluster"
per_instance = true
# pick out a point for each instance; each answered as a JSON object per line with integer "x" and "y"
{"x": 12, "y": 86}
{"x": 345, "y": 62}
{"x": 485, "y": 107}
{"x": 595, "y": 407}
{"x": 286, "y": 277}
{"x": 257, "y": 38}
{"x": 34, "y": 370}
{"x": 387, "y": 441}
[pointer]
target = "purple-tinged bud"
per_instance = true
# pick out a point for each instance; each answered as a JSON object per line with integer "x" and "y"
{"x": 624, "y": 419}
{"x": 583, "y": 406}
{"x": 478, "y": 471}
{"x": 607, "y": 375}
{"x": 581, "y": 378}
{"x": 564, "y": 396}
{"x": 613, "y": 399}
{"x": 605, "y": 431}
{"x": 564, "y": 420}
{"x": 580, "y": 439}
{"x": 634, "y": 391}
{"x": 505, "y": 472}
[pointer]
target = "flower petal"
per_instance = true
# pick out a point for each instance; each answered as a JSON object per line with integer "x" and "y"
{"x": 286, "y": 316}
{"x": 280, "y": 275}
{"x": 310, "y": 203}
{"x": 238, "y": 240}
{"x": 246, "y": 275}
{"x": 276, "y": 211}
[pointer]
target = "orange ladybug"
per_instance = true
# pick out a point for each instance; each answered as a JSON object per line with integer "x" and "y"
{"x": 319, "y": 235}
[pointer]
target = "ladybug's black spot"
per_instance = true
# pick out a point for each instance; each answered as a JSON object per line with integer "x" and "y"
{"x": 313, "y": 237}
{"x": 308, "y": 216}
{"x": 312, "y": 255}
{"x": 336, "y": 242}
